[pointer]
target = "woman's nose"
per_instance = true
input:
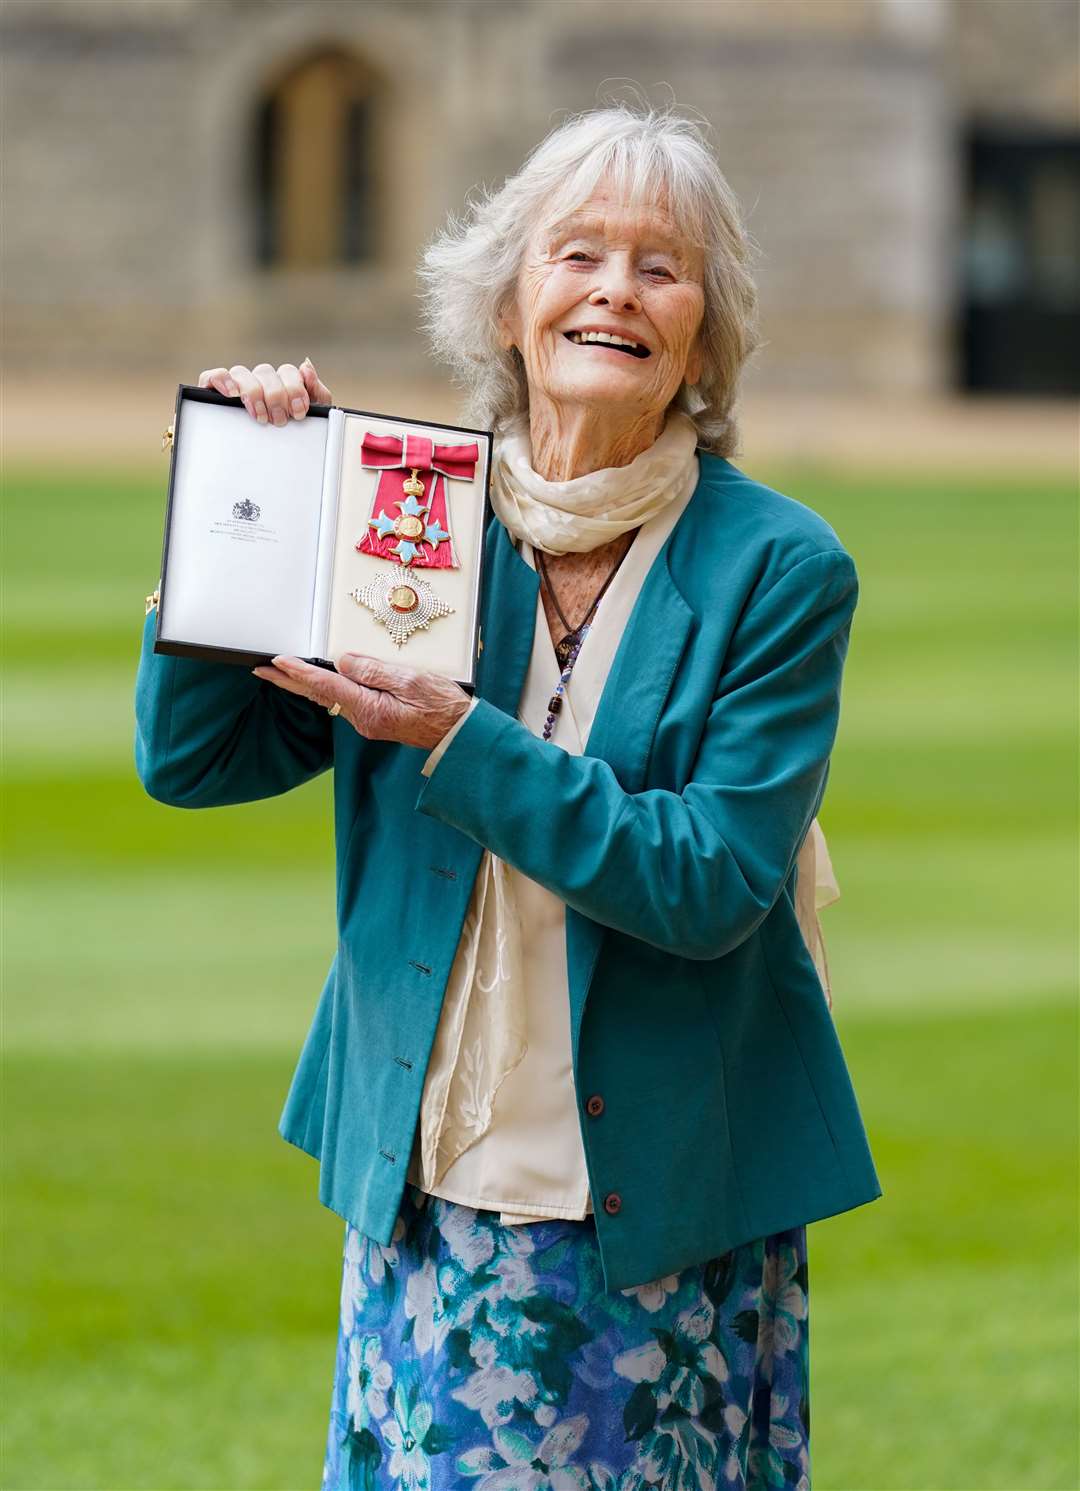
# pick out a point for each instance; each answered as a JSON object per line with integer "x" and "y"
{"x": 618, "y": 292}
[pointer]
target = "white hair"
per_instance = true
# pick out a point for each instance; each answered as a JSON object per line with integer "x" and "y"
{"x": 469, "y": 271}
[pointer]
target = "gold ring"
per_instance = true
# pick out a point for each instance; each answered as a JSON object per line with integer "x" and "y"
{"x": 333, "y": 709}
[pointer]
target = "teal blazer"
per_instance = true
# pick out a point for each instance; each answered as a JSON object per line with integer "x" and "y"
{"x": 696, "y": 1009}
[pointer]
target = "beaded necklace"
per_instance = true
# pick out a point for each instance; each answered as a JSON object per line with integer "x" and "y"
{"x": 567, "y": 649}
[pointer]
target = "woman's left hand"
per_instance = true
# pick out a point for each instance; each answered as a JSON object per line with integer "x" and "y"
{"x": 380, "y": 701}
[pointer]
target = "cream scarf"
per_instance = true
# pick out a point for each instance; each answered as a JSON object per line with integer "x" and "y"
{"x": 570, "y": 517}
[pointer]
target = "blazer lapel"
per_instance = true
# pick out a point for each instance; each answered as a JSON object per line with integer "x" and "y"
{"x": 642, "y": 672}
{"x": 635, "y": 692}
{"x": 637, "y": 688}
{"x": 508, "y": 620}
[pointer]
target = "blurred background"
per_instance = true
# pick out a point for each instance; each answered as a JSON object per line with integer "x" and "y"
{"x": 189, "y": 183}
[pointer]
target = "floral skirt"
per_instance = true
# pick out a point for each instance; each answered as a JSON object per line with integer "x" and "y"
{"x": 476, "y": 1355}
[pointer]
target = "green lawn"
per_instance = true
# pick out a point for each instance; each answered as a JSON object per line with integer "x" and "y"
{"x": 170, "y": 1279}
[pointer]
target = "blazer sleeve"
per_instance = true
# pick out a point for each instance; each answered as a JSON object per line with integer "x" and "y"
{"x": 692, "y": 872}
{"x": 208, "y": 734}
{"x": 438, "y": 750}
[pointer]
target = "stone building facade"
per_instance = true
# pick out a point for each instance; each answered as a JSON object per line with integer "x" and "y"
{"x": 194, "y": 181}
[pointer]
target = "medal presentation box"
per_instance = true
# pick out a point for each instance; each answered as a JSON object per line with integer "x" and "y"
{"x": 345, "y": 531}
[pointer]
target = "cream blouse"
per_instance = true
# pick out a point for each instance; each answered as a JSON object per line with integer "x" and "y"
{"x": 499, "y": 1124}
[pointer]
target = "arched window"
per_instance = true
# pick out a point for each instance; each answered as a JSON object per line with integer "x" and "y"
{"x": 314, "y": 175}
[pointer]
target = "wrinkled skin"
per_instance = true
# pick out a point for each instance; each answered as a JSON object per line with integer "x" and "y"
{"x": 616, "y": 268}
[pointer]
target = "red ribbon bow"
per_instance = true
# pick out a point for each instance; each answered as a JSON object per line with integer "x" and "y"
{"x": 404, "y": 460}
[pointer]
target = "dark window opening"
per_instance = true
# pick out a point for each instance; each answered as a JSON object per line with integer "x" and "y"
{"x": 266, "y": 244}
{"x": 314, "y": 199}
{"x": 1020, "y": 266}
{"x": 357, "y": 223}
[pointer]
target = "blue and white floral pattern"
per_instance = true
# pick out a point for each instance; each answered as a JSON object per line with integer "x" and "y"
{"x": 483, "y": 1357}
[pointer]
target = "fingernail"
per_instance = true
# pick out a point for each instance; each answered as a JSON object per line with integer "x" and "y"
{"x": 298, "y": 406}
{"x": 231, "y": 386}
{"x": 260, "y": 412}
{"x": 280, "y": 417}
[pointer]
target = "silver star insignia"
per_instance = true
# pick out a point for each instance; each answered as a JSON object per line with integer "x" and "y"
{"x": 375, "y": 595}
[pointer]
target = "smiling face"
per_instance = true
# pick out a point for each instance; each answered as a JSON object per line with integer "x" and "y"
{"x": 608, "y": 309}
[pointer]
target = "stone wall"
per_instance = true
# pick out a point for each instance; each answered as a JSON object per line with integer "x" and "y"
{"x": 128, "y": 141}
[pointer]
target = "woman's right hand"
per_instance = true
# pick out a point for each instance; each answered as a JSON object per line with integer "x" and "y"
{"x": 270, "y": 395}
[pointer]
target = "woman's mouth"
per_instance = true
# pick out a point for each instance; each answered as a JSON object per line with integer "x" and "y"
{"x": 607, "y": 339}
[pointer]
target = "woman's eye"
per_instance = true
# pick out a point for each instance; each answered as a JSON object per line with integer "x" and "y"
{"x": 578, "y": 254}
{"x": 660, "y": 269}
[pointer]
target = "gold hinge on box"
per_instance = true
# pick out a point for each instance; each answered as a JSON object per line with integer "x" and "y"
{"x": 151, "y": 601}
{"x": 167, "y": 438}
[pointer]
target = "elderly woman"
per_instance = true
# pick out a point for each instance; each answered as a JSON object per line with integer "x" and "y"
{"x": 573, "y": 1079}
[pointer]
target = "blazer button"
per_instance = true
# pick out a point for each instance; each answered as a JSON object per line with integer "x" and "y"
{"x": 595, "y": 1106}
{"x": 612, "y": 1202}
